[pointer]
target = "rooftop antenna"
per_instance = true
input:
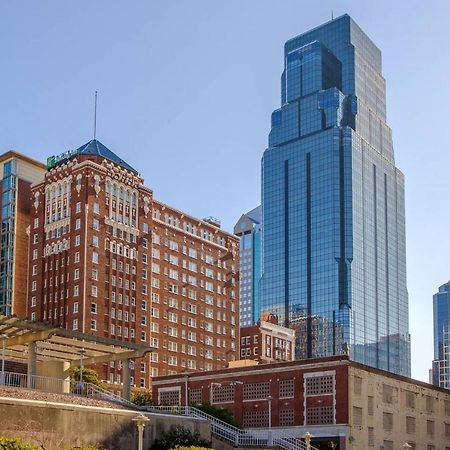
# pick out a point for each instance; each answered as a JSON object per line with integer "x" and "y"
{"x": 332, "y": 18}
{"x": 95, "y": 116}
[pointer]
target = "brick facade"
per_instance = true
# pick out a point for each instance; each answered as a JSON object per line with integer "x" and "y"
{"x": 106, "y": 258}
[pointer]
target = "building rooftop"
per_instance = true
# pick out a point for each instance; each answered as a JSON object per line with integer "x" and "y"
{"x": 96, "y": 148}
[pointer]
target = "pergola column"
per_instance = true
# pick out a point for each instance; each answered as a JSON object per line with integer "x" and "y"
{"x": 126, "y": 379}
{"x": 31, "y": 367}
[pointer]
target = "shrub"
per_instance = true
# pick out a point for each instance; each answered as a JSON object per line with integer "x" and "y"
{"x": 178, "y": 436}
{"x": 89, "y": 376}
{"x": 15, "y": 444}
{"x": 192, "y": 447}
{"x": 223, "y": 414}
{"x": 142, "y": 398}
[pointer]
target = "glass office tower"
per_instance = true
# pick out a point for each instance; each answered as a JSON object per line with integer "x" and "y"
{"x": 334, "y": 265}
{"x": 248, "y": 228}
{"x": 441, "y": 330}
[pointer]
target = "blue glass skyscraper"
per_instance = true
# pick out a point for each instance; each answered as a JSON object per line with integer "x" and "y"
{"x": 248, "y": 228}
{"x": 334, "y": 264}
{"x": 441, "y": 330}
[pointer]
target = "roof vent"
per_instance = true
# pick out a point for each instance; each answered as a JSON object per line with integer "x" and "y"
{"x": 213, "y": 221}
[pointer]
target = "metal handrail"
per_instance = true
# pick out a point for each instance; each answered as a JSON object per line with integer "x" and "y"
{"x": 246, "y": 437}
{"x": 61, "y": 386}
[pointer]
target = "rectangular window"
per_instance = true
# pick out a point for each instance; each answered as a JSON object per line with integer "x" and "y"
{"x": 256, "y": 390}
{"x": 75, "y": 324}
{"x": 286, "y": 388}
{"x": 319, "y": 385}
{"x": 388, "y": 421}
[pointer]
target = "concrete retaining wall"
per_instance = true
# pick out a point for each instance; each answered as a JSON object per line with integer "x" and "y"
{"x": 56, "y": 425}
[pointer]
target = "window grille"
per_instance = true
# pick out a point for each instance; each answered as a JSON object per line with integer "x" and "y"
{"x": 195, "y": 396}
{"x": 256, "y": 419}
{"x": 286, "y": 388}
{"x": 357, "y": 416}
{"x": 370, "y": 436}
{"x": 169, "y": 398}
{"x": 319, "y": 385}
{"x": 370, "y": 401}
{"x": 256, "y": 390}
{"x": 357, "y": 385}
{"x": 410, "y": 399}
{"x": 410, "y": 424}
{"x": 286, "y": 417}
{"x": 223, "y": 394}
{"x": 388, "y": 421}
{"x": 387, "y": 393}
{"x": 319, "y": 415}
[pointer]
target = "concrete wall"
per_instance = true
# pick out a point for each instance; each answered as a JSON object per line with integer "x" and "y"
{"x": 374, "y": 398}
{"x": 56, "y": 425}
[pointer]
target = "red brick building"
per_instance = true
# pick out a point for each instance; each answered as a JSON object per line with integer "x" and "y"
{"x": 338, "y": 401}
{"x": 106, "y": 258}
{"x": 266, "y": 341}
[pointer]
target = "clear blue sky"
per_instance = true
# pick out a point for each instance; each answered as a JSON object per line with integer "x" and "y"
{"x": 186, "y": 89}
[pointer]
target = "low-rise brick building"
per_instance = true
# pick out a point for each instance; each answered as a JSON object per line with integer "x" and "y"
{"x": 266, "y": 341}
{"x": 338, "y": 401}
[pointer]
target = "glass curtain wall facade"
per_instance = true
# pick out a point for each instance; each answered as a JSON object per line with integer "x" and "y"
{"x": 334, "y": 264}
{"x": 9, "y": 185}
{"x": 441, "y": 329}
{"x": 248, "y": 228}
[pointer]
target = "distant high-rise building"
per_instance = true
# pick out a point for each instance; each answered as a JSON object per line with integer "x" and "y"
{"x": 17, "y": 173}
{"x": 248, "y": 228}
{"x": 106, "y": 258}
{"x": 441, "y": 331}
{"x": 333, "y": 204}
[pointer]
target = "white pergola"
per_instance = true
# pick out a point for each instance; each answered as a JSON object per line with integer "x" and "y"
{"x": 31, "y": 342}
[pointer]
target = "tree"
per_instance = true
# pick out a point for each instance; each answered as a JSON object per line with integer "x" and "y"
{"x": 178, "y": 436}
{"x": 89, "y": 376}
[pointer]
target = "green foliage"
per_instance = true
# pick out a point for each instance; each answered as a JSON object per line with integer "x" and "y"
{"x": 192, "y": 447}
{"x": 222, "y": 414}
{"x": 18, "y": 444}
{"x": 91, "y": 447}
{"x": 178, "y": 436}
{"x": 89, "y": 376}
{"x": 142, "y": 398}
{"x": 15, "y": 444}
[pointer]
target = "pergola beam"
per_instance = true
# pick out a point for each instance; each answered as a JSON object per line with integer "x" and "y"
{"x": 86, "y": 345}
{"x": 116, "y": 357}
{"x": 31, "y": 336}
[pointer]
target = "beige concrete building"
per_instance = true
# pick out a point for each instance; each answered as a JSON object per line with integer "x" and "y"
{"x": 388, "y": 411}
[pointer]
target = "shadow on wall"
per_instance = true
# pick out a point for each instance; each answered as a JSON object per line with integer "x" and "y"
{"x": 53, "y": 426}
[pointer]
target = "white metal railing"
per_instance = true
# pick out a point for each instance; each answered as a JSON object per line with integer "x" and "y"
{"x": 61, "y": 386}
{"x": 266, "y": 437}
{"x": 23, "y": 380}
